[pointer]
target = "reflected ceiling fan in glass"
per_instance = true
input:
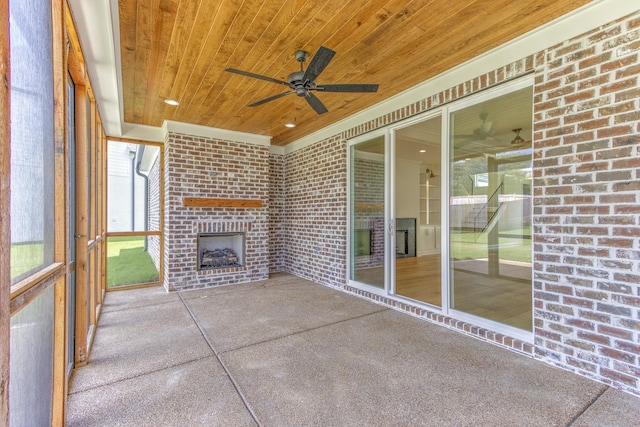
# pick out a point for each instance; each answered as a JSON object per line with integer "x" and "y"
{"x": 518, "y": 140}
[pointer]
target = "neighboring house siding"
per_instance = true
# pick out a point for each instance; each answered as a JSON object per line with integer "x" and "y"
{"x": 586, "y": 204}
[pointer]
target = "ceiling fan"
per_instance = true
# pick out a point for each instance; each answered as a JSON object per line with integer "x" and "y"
{"x": 484, "y": 131}
{"x": 303, "y": 82}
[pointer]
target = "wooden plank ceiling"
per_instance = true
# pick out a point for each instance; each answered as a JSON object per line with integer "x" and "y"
{"x": 178, "y": 49}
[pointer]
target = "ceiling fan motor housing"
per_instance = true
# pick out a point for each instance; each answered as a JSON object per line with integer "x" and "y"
{"x": 301, "y": 55}
{"x": 296, "y": 83}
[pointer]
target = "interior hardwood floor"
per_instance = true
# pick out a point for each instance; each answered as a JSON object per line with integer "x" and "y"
{"x": 505, "y": 299}
{"x": 418, "y": 278}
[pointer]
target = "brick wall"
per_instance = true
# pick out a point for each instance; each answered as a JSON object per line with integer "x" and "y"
{"x": 316, "y": 211}
{"x": 586, "y": 205}
{"x": 368, "y": 177}
{"x": 209, "y": 168}
{"x": 277, "y": 199}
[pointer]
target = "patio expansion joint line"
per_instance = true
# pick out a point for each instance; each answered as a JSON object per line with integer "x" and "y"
{"x": 137, "y": 307}
{"x": 226, "y": 370}
{"x": 306, "y": 330}
{"x": 138, "y": 375}
{"x": 586, "y": 407}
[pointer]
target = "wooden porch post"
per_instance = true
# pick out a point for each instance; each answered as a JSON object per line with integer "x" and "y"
{"x": 5, "y": 237}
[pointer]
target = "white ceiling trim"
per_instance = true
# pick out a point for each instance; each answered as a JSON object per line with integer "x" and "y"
{"x": 215, "y": 133}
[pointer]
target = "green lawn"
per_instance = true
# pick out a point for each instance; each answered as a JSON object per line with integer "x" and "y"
{"x": 128, "y": 263}
{"x": 469, "y": 245}
{"x": 26, "y": 257}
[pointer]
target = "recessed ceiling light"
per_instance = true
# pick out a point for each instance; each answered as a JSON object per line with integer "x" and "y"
{"x": 290, "y": 125}
{"x": 171, "y": 102}
{"x": 423, "y": 151}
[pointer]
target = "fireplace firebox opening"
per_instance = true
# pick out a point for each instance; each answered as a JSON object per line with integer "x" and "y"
{"x": 221, "y": 250}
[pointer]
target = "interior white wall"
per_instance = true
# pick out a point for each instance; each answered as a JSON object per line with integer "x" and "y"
{"x": 407, "y": 189}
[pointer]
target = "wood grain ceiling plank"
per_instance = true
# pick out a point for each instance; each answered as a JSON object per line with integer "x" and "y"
{"x": 259, "y": 53}
{"x": 128, "y": 12}
{"x": 315, "y": 34}
{"x": 397, "y": 84}
{"x": 411, "y": 37}
{"x": 194, "y": 52}
{"x": 278, "y": 58}
{"x": 144, "y": 34}
{"x": 282, "y": 59}
{"x": 145, "y": 23}
{"x": 461, "y": 44}
{"x": 172, "y": 46}
{"x": 256, "y": 90}
{"x": 163, "y": 34}
{"x": 366, "y": 24}
{"x": 407, "y": 55}
{"x": 128, "y": 15}
{"x": 197, "y": 56}
{"x": 192, "y": 93}
{"x": 128, "y": 60}
{"x": 204, "y": 103}
{"x": 442, "y": 58}
{"x": 140, "y": 73}
{"x": 419, "y": 38}
{"x": 219, "y": 98}
{"x": 528, "y": 17}
{"x": 345, "y": 41}
{"x": 350, "y": 47}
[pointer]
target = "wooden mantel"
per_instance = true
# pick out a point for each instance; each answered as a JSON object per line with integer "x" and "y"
{"x": 203, "y": 202}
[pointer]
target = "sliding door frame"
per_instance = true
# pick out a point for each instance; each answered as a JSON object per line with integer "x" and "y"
{"x": 391, "y": 202}
{"x": 489, "y": 94}
{"x": 350, "y": 143}
{"x": 389, "y": 133}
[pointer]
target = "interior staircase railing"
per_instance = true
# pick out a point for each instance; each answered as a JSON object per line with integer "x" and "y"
{"x": 487, "y": 212}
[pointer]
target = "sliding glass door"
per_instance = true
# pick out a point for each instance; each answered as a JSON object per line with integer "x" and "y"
{"x": 367, "y": 212}
{"x": 440, "y": 210}
{"x": 417, "y": 179}
{"x": 490, "y": 209}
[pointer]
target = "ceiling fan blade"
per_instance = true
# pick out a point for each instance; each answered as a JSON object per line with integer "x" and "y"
{"x": 256, "y": 76}
{"x": 318, "y": 63}
{"x": 271, "y": 98}
{"x": 315, "y": 103}
{"x": 348, "y": 88}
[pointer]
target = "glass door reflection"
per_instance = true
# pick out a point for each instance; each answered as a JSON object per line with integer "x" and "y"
{"x": 367, "y": 251}
{"x": 490, "y": 209}
{"x": 417, "y": 192}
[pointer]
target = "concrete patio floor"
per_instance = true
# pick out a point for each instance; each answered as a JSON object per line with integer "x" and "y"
{"x": 289, "y": 352}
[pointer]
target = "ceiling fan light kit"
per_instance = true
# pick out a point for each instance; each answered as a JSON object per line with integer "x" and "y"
{"x": 303, "y": 82}
{"x": 518, "y": 140}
